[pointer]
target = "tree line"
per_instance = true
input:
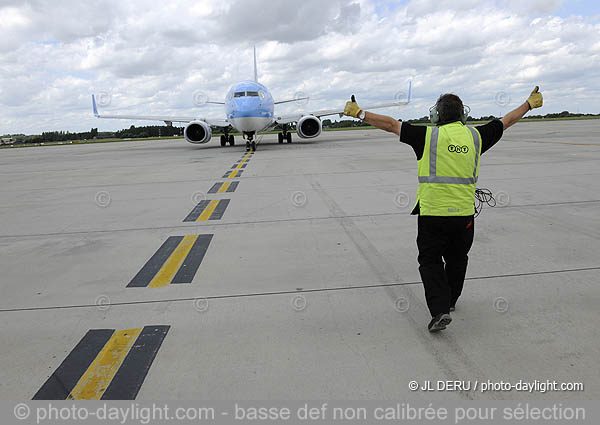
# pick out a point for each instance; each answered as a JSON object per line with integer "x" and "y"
{"x": 563, "y": 114}
{"x": 134, "y": 132}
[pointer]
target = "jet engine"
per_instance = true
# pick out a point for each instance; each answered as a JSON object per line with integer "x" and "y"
{"x": 197, "y": 132}
{"x": 308, "y": 127}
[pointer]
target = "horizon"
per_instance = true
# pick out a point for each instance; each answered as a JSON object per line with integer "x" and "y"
{"x": 169, "y": 60}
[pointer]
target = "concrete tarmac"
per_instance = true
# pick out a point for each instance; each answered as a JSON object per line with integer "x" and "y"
{"x": 309, "y": 287}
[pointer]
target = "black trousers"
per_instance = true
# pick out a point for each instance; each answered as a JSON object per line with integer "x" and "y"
{"x": 443, "y": 243}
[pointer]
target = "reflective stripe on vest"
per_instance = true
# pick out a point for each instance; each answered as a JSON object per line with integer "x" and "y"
{"x": 432, "y": 177}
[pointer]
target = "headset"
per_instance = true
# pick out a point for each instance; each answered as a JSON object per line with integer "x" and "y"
{"x": 434, "y": 115}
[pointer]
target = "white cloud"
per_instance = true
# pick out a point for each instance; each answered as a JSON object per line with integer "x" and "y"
{"x": 152, "y": 56}
{"x": 534, "y": 6}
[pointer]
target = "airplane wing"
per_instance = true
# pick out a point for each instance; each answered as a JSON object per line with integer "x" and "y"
{"x": 291, "y": 100}
{"x": 287, "y": 119}
{"x": 167, "y": 120}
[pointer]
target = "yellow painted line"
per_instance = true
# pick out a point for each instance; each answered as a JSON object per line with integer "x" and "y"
{"x": 208, "y": 210}
{"x": 233, "y": 174}
{"x": 239, "y": 166}
{"x": 224, "y": 187}
{"x": 174, "y": 262}
{"x": 98, "y": 376}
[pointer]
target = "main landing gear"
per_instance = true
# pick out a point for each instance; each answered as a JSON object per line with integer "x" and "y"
{"x": 285, "y": 135}
{"x": 227, "y": 138}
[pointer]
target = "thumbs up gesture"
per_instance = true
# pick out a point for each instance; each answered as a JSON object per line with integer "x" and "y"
{"x": 535, "y": 99}
{"x": 352, "y": 109}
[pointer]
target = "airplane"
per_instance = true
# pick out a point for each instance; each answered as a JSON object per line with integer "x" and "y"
{"x": 250, "y": 109}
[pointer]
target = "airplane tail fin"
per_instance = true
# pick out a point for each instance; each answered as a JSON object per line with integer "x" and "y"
{"x": 94, "y": 107}
{"x": 255, "y": 70}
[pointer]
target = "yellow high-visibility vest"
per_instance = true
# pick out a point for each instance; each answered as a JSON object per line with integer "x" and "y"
{"x": 448, "y": 170}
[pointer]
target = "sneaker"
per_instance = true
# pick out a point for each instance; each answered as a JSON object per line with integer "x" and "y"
{"x": 439, "y": 322}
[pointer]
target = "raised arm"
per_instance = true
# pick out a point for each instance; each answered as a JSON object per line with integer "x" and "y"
{"x": 377, "y": 120}
{"x": 535, "y": 100}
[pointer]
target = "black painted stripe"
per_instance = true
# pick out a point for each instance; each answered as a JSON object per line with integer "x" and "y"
{"x": 233, "y": 186}
{"x": 147, "y": 273}
{"x": 60, "y": 384}
{"x": 228, "y": 173}
{"x": 238, "y": 166}
{"x": 215, "y": 187}
{"x": 192, "y": 261}
{"x": 219, "y": 210}
{"x": 198, "y": 209}
{"x": 129, "y": 378}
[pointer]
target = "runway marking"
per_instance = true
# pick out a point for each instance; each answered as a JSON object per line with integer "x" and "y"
{"x": 222, "y": 187}
{"x": 192, "y": 261}
{"x": 106, "y": 364}
{"x": 98, "y": 376}
{"x": 208, "y": 210}
{"x": 176, "y": 261}
{"x": 243, "y": 160}
{"x": 232, "y": 174}
{"x": 235, "y": 166}
{"x": 152, "y": 267}
{"x": 170, "y": 267}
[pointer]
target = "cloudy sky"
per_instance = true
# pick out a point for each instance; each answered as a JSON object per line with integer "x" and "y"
{"x": 165, "y": 57}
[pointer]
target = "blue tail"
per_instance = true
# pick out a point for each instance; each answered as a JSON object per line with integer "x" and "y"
{"x": 94, "y": 108}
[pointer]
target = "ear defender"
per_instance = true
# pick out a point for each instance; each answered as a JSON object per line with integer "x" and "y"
{"x": 465, "y": 114}
{"x": 434, "y": 115}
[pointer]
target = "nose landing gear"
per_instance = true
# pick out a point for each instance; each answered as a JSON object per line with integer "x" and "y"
{"x": 250, "y": 143}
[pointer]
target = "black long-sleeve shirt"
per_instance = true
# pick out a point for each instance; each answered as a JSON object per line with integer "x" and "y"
{"x": 414, "y": 135}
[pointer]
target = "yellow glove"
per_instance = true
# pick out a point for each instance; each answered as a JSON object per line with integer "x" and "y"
{"x": 535, "y": 99}
{"x": 352, "y": 109}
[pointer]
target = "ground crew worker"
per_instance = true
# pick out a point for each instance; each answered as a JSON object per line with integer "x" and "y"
{"x": 448, "y": 166}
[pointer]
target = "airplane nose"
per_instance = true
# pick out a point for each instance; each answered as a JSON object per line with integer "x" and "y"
{"x": 248, "y": 123}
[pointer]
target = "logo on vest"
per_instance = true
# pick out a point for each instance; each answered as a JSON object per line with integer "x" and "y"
{"x": 458, "y": 148}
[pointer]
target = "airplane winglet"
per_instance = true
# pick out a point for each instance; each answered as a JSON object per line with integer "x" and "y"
{"x": 94, "y": 107}
{"x": 409, "y": 90}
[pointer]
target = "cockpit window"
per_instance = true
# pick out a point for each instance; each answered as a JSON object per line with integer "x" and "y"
{"x": 245, "y": 93}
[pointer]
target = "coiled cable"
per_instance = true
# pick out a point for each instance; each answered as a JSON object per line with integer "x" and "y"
{"x": 483, "y": 196}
